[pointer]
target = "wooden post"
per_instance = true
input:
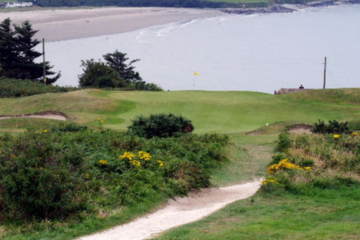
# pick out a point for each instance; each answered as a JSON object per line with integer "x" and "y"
{"x": 325, "y": 65}
{"x": 44, "y": 65}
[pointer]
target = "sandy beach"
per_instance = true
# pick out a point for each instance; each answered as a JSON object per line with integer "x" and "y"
{"x": 65, "y": 24}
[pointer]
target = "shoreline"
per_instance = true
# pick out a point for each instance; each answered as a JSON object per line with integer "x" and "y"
{"x": 59, "y": 24}
{"x": 67, "y": 24}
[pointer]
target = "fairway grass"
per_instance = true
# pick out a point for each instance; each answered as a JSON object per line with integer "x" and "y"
{"x": 211, "y": 112}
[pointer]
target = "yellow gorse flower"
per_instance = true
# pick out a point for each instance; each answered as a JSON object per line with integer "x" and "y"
{"x": 161, "y": 163}
{"x": 285, "y": 164}
{"x": 269, "y": 180}
{"x": 144, "y": 155}
{"x": 337, "y": 136}
{"x": 354, "y": 134}
{"x": 135, "y": 163}
{"x": 127, "y": 155}
{"x": 103, "y": 162}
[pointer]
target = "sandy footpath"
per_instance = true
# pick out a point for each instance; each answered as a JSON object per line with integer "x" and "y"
{"x": 63, "y": 24}
{"x": 178, "y": 212}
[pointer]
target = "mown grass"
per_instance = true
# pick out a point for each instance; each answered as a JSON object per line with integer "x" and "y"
{"x": 221, "y": 112}
{"x": 331, "y": 214}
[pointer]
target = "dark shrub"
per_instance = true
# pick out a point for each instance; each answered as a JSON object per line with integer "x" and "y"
{"x": 40, "y": 177}
{"x": 333, "y": 126}
{"x": 160, "y": 125}
{"x": 284, "y": 142}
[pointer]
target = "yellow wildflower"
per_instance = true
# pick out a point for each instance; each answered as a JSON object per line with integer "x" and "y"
{"x": 283, "y": 164}
{"x": 354, "y": 134}
{"x": 161, "y": 163}
{"x": 308, "y": 168}
{"x": 135, "y": 163}
{"x": 127, "y": 155}
{"x": 269, "y": 180}
{"x": 103, "y": 162}
{"x": 45, "y": 131}
{"x": 144, "y": 155}
{"x": 337, "y": 136}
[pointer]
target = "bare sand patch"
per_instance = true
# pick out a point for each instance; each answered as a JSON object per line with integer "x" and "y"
{"x": 63, "y": 24}
{"x": 178, "y": 212}
{"x": 53, "y": 115}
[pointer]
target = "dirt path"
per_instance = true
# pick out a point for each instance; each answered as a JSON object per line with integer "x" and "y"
{"x": 178, "y": 212}
{"x": 44, "y": 115}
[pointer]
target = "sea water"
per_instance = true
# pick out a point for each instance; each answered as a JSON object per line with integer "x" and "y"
{"x": 233, "y": 52}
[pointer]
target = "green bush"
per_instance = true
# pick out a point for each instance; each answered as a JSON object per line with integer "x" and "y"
{"x": 22, "y": 88}
{"x": 160, "y": 125}
{"x": 333, "y": 126}
{"x": 284, "y": 143}
{"x": 70, "y": 169}
{"x": 40, "y": 177}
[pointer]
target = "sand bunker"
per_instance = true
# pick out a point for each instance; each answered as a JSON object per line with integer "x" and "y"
{"x": 178, "y": 212}
{"x": 44, "y": 115}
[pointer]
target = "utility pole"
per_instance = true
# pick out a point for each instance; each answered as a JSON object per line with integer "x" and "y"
{"x": 44, "y": 65}
{"x": 325, "y": 65}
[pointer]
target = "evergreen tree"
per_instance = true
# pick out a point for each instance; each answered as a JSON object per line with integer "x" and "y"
{"x": 118, "y": 62}
{"x": 19, "y": 59}
{"x": 8, "y": 54}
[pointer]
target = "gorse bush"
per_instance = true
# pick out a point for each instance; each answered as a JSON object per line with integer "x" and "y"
{"x": 68, "y": 170}
{"x": 315, "y": 162}
{"x": 333, "y": 126}
{"x": 40, "y": 178}
{"x": 22, "y": 88}
{"x": 160, "y": 125}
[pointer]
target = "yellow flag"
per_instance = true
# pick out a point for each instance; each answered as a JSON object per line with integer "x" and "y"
{"x": 196, "y": 74}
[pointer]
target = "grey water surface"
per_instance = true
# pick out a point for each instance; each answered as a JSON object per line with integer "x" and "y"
{"x": 233, "y": 52}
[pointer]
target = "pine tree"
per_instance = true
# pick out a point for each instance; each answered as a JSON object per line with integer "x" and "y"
{"x": 20, "y": 54}
{"x": 8, "y": 54}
